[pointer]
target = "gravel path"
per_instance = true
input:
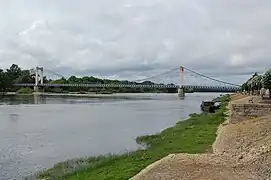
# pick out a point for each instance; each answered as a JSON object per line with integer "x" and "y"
{"x": 241, "y": 151}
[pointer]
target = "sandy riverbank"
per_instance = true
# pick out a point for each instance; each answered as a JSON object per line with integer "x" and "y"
{"x": 241, "y": 151}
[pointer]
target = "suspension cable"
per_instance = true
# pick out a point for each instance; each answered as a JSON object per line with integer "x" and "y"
{"x": 202, "y": 75}
{"x": 167, "y": 72}
{"x": 57, "y": 74}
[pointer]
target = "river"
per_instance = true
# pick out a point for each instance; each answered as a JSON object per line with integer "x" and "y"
{"x": 36, "y": 133}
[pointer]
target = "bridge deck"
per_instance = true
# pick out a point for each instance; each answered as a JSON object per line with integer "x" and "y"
{"x": 194, "y": 87}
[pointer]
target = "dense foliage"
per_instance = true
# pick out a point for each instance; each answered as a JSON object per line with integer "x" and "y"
{"x": 256, "y": 82}
{"x": 266, "y": 80}
{"x": 15, "y": 74}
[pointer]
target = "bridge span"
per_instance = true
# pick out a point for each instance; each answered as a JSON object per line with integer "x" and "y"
{"x": 227, "y": 87}
{"x": 194, "y": 88}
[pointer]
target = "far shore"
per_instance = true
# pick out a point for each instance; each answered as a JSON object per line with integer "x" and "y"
{"x": 90, "y": 95}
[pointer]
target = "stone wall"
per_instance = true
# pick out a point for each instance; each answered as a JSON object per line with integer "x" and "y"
{"x": 244, "y": 111}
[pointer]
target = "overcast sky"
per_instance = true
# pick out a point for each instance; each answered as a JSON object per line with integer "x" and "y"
{"x": 226, "y": 39}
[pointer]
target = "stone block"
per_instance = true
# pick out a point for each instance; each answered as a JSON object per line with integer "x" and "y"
{"x": 241, "y": 112}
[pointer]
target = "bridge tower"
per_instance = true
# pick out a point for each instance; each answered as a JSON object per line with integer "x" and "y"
{"x": 38, "y": 78}
{"x": 181, "y": 92}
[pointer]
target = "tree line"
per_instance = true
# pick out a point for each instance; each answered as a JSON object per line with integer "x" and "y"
{"x": 105, "y": 90}
{"x": 256, "y": 82}
{"x": 15, "y": 74}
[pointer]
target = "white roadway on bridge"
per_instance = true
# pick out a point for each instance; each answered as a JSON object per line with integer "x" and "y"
{"x": 133, "y": 86}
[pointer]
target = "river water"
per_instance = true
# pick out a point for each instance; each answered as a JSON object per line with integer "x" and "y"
{"x": 36, "y": 133}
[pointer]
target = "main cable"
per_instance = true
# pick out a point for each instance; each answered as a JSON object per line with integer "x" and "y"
{"x": 202, "y": 75}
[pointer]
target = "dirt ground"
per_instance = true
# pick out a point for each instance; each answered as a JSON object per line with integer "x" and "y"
{"x": 241, "y": 151}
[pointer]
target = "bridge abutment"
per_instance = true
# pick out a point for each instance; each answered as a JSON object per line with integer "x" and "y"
{"x": 181, "y": 92}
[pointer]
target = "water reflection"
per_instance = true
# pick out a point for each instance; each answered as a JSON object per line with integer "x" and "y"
{"x": 43, "y": 99}
{"x": 13, "y": 117}
{"x": 26, "y": 99}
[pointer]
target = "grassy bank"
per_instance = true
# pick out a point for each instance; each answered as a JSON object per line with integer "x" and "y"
{"x": 194, "y": 135}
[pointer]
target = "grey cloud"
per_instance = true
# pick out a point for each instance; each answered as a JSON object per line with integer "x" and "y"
{"x": 226, "y": 39}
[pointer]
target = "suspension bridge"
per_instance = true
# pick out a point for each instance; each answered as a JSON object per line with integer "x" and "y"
{"x": 190, "y": 75}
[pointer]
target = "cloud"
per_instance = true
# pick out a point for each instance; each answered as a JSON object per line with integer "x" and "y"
{"x": 226, "y": 39}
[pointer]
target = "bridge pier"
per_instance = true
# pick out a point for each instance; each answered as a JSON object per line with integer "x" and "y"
{"x": 38, "y": 89}
{"x": 38, "y": 77}
{"x": 181, "y": 92}
{"x": 36, "y": 99}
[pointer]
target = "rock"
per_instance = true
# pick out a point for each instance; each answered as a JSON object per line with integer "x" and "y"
{"x": 241, "y": 156}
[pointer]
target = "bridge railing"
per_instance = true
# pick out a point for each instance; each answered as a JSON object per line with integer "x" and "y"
{"x": 192, "y": 87}
{"x": 100, "y": 85}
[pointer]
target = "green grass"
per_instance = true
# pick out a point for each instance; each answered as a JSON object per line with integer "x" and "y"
{"x": 25, "y": 90}
{"x": 195, "y": 135}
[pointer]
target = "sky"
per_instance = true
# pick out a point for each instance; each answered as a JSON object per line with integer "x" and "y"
{"x": 133, "y": 39}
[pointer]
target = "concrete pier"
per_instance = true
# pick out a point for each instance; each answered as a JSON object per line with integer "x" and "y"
{"x": 38, "y": 78}
{"x": 181, "y": 92}
{"x": 36, "y": 89}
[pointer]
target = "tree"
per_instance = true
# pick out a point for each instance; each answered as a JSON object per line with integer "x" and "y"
{"x": 13, "y": 72}
{"x": 14, "y": 75}
{"x": 25, "y": 77}
{"x": 254, "y": 75}
{"x": 249, "y": 84}
{"x": 245, "y": 87}
{"x": 2, "y": 80}
{"x": 253, "y": 83}
{"x": 266, "y": 81}
{"x": 60, "y": 81}
{"x": 256, "y": 82}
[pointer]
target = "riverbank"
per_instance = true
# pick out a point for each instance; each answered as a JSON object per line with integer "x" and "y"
{"x": 241, "y": 151}
{"x": 195, "y": 135}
